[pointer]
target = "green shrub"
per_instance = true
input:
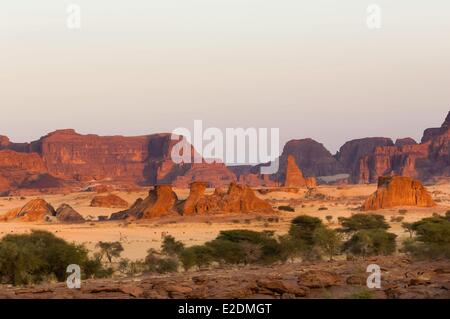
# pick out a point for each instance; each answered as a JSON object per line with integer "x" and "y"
{"x": 370, "y": 242}
{"x": 303, "y": 227}
{"x": 432, "y": 238}
{"x": 329, "y": 241}
{"x": 159, "y": 264}
{"x": 171, "y": 247}
{"x": 362, "y": 221}
{"x": 286, "y": 208}
{"x": 32, "y": 258}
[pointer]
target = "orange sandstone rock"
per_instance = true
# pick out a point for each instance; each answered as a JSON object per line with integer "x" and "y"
{"x": 398, "y": 191}
{"x": 109, "y": 201}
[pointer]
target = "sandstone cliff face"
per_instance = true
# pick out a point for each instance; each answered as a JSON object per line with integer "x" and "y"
{"x": 352, "y": 152}
{"x": 423, "y": 161}
{"x": 396, "y": 191}
{"x": 16, "y": 168}
{"x": 70, "y": 156}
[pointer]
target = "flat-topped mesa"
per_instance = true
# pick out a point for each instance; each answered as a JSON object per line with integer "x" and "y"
{"x": 294, "y": 176}
{"x": 394, "y": 191}
{"x": 160, "y": 201}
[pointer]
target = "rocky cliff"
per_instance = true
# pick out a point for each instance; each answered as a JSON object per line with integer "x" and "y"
{"x": 67, "y": 155}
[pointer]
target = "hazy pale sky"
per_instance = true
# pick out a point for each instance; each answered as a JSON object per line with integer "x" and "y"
{"x": 312, "y": 68}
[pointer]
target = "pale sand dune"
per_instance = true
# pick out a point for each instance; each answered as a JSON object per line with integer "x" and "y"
{"x": 137, "y": 238}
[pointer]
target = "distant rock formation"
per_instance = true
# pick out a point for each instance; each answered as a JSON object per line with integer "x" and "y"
{"x": 351, "y": 152}
{"x": 37, "y": 210}
{"x": 69, "y": 156}
{"x": 427, "y": 160}
{"x": 160, "y": 201}
{"x": 294, "y": 176}
{"x": 238, "y": 199}
{"x": 109, "y": 201}
{"x": 396, "y": 191}
{"x": 405, "y": 141}
{"x": 163, "y": 201}
{"x": 66, "y": 214}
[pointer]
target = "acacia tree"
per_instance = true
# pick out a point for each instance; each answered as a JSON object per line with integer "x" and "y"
{"x": 110, "y": 250}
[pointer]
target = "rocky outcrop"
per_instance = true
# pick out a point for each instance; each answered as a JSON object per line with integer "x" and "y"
{"x": 109, "y": 201}
{"x": 238, "y": 199}
{"x": 396, "y": 191}
{"x": 66, "y": 214}
{"x": 341, "y": 279}
{"x": 294, "y": 176}
{"x": 37, "y": 210}
{"x": 160, "y": 202}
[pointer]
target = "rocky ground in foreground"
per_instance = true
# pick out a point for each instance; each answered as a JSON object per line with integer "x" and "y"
{"x": 400, "y": 278}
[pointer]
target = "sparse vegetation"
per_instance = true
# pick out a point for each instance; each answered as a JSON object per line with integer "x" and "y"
{"x": 286, "y": 208}
{"x": 431, "y": 240}
{"x": 32, "y": 258}
{"x": 109, "y": 250}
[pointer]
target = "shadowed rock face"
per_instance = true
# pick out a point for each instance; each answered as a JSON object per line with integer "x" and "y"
{"x": 396, "y": 191}
{"x": 37, "y": 210}
{"x": 66, "y": 214}
{"x": 109, "y": 201}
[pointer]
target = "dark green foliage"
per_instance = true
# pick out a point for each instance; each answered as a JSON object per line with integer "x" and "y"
{"x": 370, "y": 242}
{"x": 32, "y": 258}
{"x": 362, "y": 221}
{"x": 328, "y": 241}
{"x": 303, "y": 227}
{"x": 432, "y": 238}
{"x": 171, "y": 247}
{"x": 159, "y": 264}
{"x": 197, "y": 256}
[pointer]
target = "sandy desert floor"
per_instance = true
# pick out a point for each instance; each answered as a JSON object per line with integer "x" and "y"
{"x": 138, "y": 237}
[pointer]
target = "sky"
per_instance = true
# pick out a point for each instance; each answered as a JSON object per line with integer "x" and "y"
{"x": 310, "y": 68}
